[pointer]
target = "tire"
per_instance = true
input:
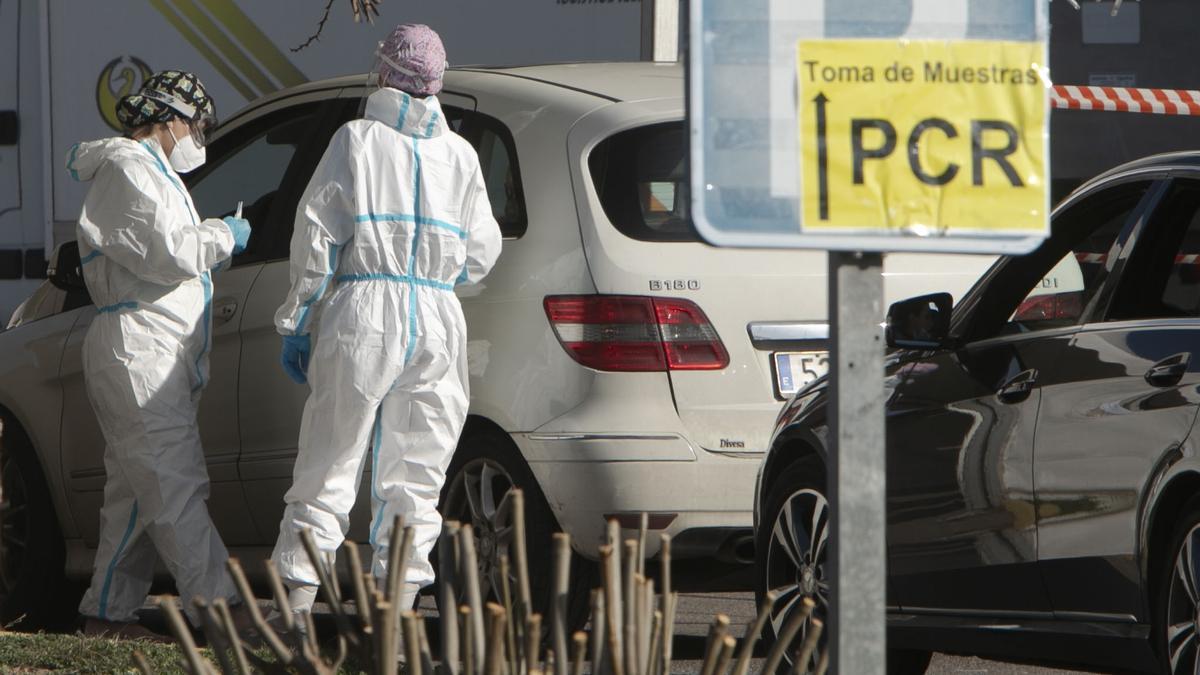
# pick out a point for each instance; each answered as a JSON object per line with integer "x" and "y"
{"x": 795, "y": 521}
{"x": 1178, "y": 601}
{"x": 488, "y": 465}
{"x": 34, "y": 593}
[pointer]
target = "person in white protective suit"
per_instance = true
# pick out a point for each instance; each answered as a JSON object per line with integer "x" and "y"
{"x": 146, "y": 258}
{"x": 394, "y": 217}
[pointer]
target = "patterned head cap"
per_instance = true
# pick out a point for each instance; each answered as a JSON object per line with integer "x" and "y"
{"x": 171, "y": 93}
{"x": 412, "y": 59}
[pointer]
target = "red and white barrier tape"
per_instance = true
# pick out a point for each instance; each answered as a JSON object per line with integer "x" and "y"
{"x": 1126, "y": 99}
{"x": 1180, "y": 259}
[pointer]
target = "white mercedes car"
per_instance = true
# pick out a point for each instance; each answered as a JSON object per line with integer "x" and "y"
{"x": 618, "y": 365}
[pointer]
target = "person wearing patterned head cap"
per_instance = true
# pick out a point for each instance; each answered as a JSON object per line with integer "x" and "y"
{"x": 147, "y": 258}
{"x": 395, "y": 216}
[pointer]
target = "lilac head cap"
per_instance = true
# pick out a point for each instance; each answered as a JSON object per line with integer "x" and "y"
{"x": 412, "y": 59}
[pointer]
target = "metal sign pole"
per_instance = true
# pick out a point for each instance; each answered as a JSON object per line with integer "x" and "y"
{"x": 858, "y": 465}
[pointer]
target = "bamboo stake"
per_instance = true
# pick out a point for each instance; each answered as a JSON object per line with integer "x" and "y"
{"x": 468, "y": 643}
{"x": 716, "y": 639}
{"x": 354, "y": 561}
{"x": 612, "y": 596}
{"x": 494, "y": 663}
{"x": 558, "y": 601}
{"x": 783, "y": 641}
{"x": 446, "y": 600}
{"x": 822, "y": 664}
{"x": 412, "y": 643}
{"x": 396, "y": 558}
{"x": 815, "y": 628}
{"x": 533, "y": 636}
{"x": 727, "y": 647}
{"x": 599, "y": 624}
{"x": 187, "y": 645}
{"x": 521, "y": 558}
{"x": 506, "y": 601}
{"x": 469, "y": 567}
{"x": 143, "y": 666}
{"x": 218, "y": 642}
{"x": 641, "y": 549}
{"x": 754, "y": 629}
{"x": 239, "y": 654}
{"x": 426, "y": 650}
{"x": 665, "y": 602}
{"x": 280, "y": 594}
{"x": 631, "y": 584}
{"x": 386, "y": 649}
{"x": 281, "y": 651}
{"x": 328, "y": 590}
{"x": 655, "y": 658}
{"x": 578, "y": 651}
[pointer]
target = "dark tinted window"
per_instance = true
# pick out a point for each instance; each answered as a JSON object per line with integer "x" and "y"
{"x": 640, "y": 177}
{"x": 249, "y": 165}
{"x": 501, "y": 170}
{"x": 1162, "y": 279}
{"x": 1052, "y": 286}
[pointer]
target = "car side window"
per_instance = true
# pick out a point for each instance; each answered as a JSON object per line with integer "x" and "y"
{"x": 1162, "y": 279}
{"x": 1052, "y": 286}
{"x": 248, "y": 165}
{"x": 501, "y": 171}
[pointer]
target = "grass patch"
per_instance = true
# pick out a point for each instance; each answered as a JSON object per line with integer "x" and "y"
{"x": 28, "y": 653}
{"x": 74, "y": 653}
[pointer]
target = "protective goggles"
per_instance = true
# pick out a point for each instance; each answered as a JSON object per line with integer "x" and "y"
{"x": 201, "y": 124}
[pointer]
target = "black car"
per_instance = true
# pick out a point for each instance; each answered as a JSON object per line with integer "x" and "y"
{"x": 1043, "y": 479}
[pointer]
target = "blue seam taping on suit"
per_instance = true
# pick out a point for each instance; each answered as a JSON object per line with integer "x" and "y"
{"x": 90, "y": 257}
{"x": 410, "y": 218}
{"x": 112, "y": 565}
{"x": 376, "y": 437}
{"x": 71, "y": 162}
{"x": 398, "y": 278}
{"x": 307, "y": 304}
{"x": 206, "y": 282}
{"x": 108, "y": 309}
{"x": 432, "y": 121}
{"x": 463, "y": 276}
{"x": 403, "y": 112}
{"x": 412, "y": 259}
{"x": 205, "y": 279}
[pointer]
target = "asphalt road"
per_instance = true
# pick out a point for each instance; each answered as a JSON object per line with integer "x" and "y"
{"x": 696, "y": 612}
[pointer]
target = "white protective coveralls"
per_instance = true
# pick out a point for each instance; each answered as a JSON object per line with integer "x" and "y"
{"x": 146, "y": 259}
{"x": 395, "y": 216}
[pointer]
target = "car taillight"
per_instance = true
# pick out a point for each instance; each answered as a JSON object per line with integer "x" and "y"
{"x": 630, "y": 333}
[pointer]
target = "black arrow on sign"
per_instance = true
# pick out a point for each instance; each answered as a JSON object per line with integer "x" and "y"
{"x": 822, "y": 158}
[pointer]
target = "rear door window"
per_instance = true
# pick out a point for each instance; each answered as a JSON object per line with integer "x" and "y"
{"x": 1162, "y": 280}
{"x": 640, "y": 177}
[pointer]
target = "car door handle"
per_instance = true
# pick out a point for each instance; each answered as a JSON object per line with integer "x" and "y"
{"x": 1169, "y": 371}
{"x": 224, "y": 310}
{"x": 1017, "y": 389}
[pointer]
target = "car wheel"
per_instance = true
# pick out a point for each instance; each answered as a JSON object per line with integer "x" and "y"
{"x": 1178, "y": 625}
{"x": 792, "y": 543}
{"x": 486, "y": 467}
{"x": 33, "y": 591}
{"x": 793, "y": 546}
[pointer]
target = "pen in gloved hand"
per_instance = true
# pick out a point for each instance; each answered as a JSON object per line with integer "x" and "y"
{"x": 238, "y": 212}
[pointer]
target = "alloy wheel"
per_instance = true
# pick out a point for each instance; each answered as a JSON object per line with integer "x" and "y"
{"x": 1183, "y": 607}
{"x": 795, "y": 560}
{"x": 14, "y": 526}
{"x": 480, "y": 495}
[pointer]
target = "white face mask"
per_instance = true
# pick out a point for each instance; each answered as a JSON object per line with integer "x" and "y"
{"x": 187, "y": 156}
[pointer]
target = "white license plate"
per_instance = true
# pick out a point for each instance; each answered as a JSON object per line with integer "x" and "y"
{"x": 793, "y": 370}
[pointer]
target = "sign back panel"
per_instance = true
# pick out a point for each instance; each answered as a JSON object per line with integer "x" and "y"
{"x": 935, "y": 124}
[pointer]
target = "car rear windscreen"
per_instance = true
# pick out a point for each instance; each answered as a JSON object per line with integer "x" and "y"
{"x": 640, "y": 177}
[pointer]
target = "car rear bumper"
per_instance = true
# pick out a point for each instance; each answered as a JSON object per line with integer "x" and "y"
{"x": 703, "y": 500}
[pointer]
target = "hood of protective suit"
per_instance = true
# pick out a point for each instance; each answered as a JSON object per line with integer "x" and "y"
{"x": 411, "y": 116}
{"x": 87, "y": 157}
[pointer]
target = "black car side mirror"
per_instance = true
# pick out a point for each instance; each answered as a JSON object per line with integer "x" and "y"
{"x": 65, "y": 271}
{"x": 922, "y": 322}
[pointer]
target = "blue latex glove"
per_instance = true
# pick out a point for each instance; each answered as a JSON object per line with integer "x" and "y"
{"x": 296, "y": 349}
{"x": 240, "y": 228}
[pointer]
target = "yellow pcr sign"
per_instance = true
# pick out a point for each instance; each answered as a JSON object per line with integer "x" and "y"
{"x": 928, "y": 137}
